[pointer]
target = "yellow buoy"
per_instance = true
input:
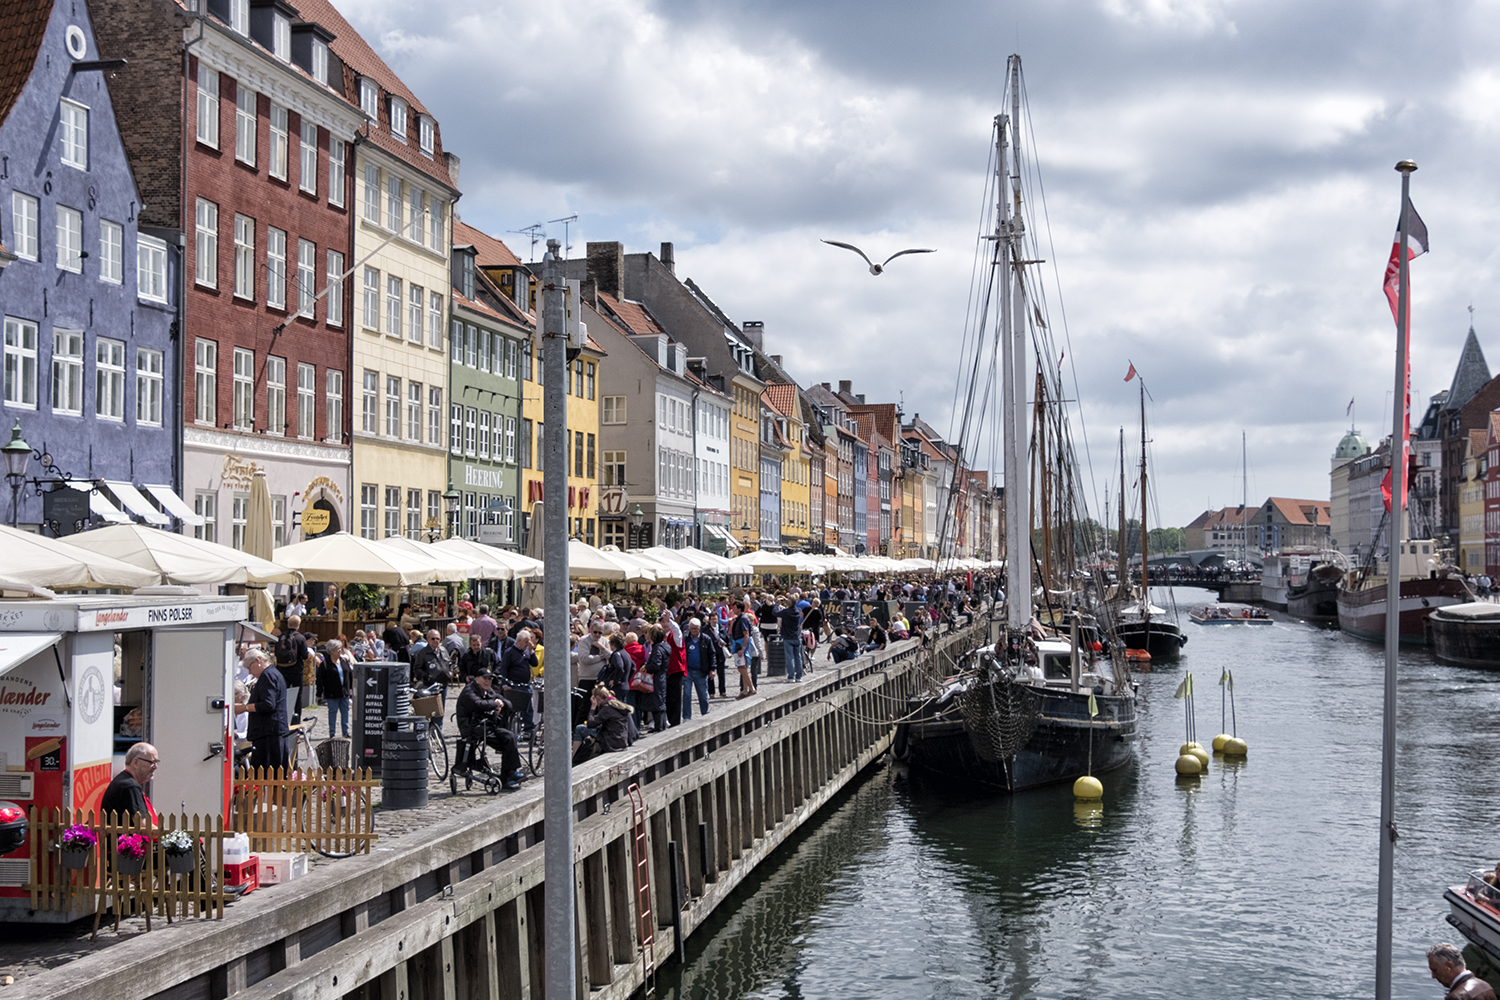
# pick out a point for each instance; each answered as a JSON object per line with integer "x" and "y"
{"x": 1189, "y": 764}
{"x": 1190, "y": 747}
{"x": 1202, "y": 756}
{"x": 1088, "y": 788}
{"x": 1220, "y": 740}
{"x": 1235, "y": 748}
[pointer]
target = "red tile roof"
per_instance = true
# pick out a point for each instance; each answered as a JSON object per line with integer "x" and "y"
{"x": 360, "y": 60}
{"x": 633, "y": 315}
{"x": 782, "y": 398}
{"x": 1314, "y": 512}
{"x": 479, "y": 307}
{"x": 492, "y": 252}
{"x": 23, "y": 23}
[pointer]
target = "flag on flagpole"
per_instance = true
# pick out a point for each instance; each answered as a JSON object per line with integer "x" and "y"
{"x": 1093, "y": 707}
{"x": 1130, "y": 374}
{"x": 1416, "y": 246}
{"x": 1349, "y": 409}
{"x": 1230, "y": 675}
{"x": 1185, "y": 689}
{"x": 1223, "y": 676}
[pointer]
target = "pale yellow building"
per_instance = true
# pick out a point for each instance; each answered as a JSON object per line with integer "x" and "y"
{"x": 796, "y": 486}
{"x": 1471, "y": 506}
{"x": 744, "y": 450}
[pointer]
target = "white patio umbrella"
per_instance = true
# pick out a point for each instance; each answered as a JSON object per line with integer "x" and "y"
{"x": 667, "y": 568}
{"x": 767, "y": 562}
{"x": 499, "y": 564}
{"x": 47, "y": 562}
{"x": 182, "y": 559}
{"x": 342, "y": 558}
{"x": 451, "y": 565}
{"x": 588, "y": 563}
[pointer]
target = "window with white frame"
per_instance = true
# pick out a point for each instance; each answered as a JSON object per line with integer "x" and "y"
{"x": 471, "y": 429}
{"x": 281, "y": 37}
{"x": 484, "y": 434}
{"x": 244, "y": 390}
{"x": 244, "y": 123}
{"x": 333, "y": 383}
{"x": 148, "y": 386}
{"x": 278, "y": 521}
{"x": 613, "y": 473}
{"x": 244, "y": 257}
{"x": 151, "y": 268}
{"x": 69, "y": 239}
{"x": 208, "y": 106}
{"x": 307, "y": 173}
{"x": 416, "y": 302}
{"x": 435, "y": 319}
{"x": 456, "y": 343}
{"x": 427, "y": 136}
{"x": 67, "y": 371}
{"x": 415, "y": 231}
{"x": 205, "y": 381}
{"x": 524, "y": 458}
{"x": 20, "y": 363}
{"x": 279, "y": 143}
{"x": 392, "y": 406}
{"x": 471, "y": 348}
{"x": 307, "y": 410}
{"x": 206, "y": 244}
{"x": 510, "y": 439}
{"x": 333, "y": 310}
{"x": 24, "y": 225}
{"x": 435, "y": 224}
{"x": 336, "y": 171}
{"x": 613, "y": 410}
{"x": 276, "y": 396}
{"x": 435, "y": 415}
{"x": 372, "y": 193}
{"x": 512, "y": 351}
{"x": 111, "y": 252}
{"x": 320, "y": 61}
{"x": 371, "y": 317}
{"x": 455, "y": 429}
{"x": 414, "y": 514}
{"x": 392, "y": 511}
{"x": 307, "y": 277}
{"x": 369, "y": 97}
{"x": 484, "y": 350}
{"x": 206, "y": 506}
{"x": 370, "y": 409}
{"x": 239, "y": 16}
{"x": 393, "y": 305}
{"x": 109, "y": 379}
{"x": 398, "y": 118}
{"x": 393, "y": 203}
{"x": 368, "y": 495}
{"x": 73, "y": 133}
{"x": 239, "y": 516}
{"x": 276, "y": 268}
{"x": 414, "y": 411}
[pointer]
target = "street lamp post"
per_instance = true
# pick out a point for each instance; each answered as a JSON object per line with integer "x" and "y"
{"x": 17, "y": 455}
{"x": 636, "y": 517}
{"x": 450, "y": 506}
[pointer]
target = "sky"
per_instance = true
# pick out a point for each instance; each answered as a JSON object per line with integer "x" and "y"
{"x": 1219, "y": 191}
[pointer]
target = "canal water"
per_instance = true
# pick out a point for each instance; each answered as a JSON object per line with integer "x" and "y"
{"x": 1257, "y": 880}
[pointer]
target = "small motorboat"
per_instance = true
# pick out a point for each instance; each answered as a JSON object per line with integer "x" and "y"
{"x": 1474, "y": 909}
{"x": 1230, "y": 614}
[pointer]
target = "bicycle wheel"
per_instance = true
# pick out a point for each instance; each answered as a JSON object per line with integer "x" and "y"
{"x": 536, "y": 750}
{"x": 437, "y": 751}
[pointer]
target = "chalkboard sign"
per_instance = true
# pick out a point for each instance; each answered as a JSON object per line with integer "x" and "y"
{"x": 380, "y": 691}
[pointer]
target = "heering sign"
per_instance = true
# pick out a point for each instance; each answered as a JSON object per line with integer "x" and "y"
{"x": 488, "y": 479}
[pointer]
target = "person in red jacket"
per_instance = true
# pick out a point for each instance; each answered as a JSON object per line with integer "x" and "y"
{"x": 677, "y": 671}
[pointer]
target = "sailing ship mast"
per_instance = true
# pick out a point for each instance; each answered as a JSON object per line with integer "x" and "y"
{"x": 1145, "y": 538}
{"x": 1009, "y": 230}
{"x": 1124, "y": 585}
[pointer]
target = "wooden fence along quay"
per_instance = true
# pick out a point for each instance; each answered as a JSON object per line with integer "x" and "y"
{"x": 455, "y": 910}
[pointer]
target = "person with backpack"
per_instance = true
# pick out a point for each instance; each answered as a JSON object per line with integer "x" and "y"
{"x": 290, "y": 653}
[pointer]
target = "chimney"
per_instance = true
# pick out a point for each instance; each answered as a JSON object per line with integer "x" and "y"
{"x": 589, "y": 290}
{"x": 776, "y": 359}
{"x": 452, "y": 161}
{"x": 668, "y": 260}
{"x": 606, "y": 265}
{"x": 861, "y": 398}
{"x": 846, "y": 387}
{"x": 826, "y": 386}
{"x": 755, "y": 332}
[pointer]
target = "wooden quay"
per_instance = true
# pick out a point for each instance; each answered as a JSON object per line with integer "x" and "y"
{"x": 664, "y": 833}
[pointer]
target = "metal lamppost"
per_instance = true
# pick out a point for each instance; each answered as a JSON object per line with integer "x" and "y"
{"x": 450, "y": 506}
{"x": 17, "y": 455}
{"x": 636, "y": 517}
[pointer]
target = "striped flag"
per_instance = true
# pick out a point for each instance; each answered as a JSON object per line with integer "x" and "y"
{"x": 1416, "y": 246}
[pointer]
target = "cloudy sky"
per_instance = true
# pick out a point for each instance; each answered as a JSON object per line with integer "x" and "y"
{"x": 1218, "y": 175}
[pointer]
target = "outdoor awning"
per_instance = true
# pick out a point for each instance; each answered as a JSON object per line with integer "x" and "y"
{"x": 174, "y": 505}
{"x": 99, "y": 504}
{"x": 718, "y": 532}
{"x": 136, "y": 504}
{"x": 18, "y": 647}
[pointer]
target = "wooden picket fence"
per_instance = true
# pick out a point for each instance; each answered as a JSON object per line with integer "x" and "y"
{"x": 330, "y": 810}
{"x": 100, "y": 886}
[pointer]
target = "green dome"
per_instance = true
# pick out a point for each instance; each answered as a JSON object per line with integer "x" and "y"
{"x": 1352, "y": 446}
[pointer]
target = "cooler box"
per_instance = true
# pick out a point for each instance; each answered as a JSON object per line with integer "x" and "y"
{"x": 277, "y": 868}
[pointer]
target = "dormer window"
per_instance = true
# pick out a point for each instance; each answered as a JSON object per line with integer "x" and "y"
{"x": 398, "y": 118}
{"x": 239, "y": 16}
{"x": 369, "y": 98}
{"x": 281, "y": 37}
{"x": 428, "y": 135}
{"x": 466, "y": 276}
{"x": 320, "y": 61}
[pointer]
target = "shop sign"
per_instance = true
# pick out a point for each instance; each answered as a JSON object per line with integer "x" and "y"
{"x": 238, "y": 472}
{"x": 315, "y": 521}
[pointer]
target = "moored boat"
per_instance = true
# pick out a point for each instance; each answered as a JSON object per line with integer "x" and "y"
{"x": 1425, "y": 586}
{"x": 1474, "y": 911}
{"x": 1317, "y": 598}
{"x": 1230, "y": 614}
{"x": 1467, "y": 635}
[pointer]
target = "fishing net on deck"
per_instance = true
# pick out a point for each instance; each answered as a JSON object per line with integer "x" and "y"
{"x": 999, "y": 714}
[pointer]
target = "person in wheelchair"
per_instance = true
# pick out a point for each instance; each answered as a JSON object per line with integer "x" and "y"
{"x": 479, "y": 722}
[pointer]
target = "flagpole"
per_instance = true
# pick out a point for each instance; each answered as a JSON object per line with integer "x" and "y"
{"x": 1385, "y": 892}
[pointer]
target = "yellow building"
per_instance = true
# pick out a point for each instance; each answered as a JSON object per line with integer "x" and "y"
{"x": 404, "y": 191}
{"x": 744, "y": 450}
{"x": 796, "y": 491}
{"x": 1471, "y": 506}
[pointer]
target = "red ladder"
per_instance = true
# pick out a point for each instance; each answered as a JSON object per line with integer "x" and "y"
{"x": 645, "y": 924}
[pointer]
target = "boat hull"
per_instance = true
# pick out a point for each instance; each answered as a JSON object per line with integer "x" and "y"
{"x": 1477, "y": 920}
{"x": 1315, "y": 601}
{"x": 1466, "y": 642}
{"x": 1162, "y": 639}
{"x": 1362, "y": 612}
{"x": 938, "y": 740}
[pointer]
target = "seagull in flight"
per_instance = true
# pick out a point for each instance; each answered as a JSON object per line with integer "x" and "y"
{"x": 874, "y": 267}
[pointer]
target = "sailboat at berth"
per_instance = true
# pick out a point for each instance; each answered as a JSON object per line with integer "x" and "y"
{"x": 1050, "y": 697}
{"x": 1143, "y": 626}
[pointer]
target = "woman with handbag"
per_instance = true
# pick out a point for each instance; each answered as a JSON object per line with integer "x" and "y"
{"x": 658, "y": 663}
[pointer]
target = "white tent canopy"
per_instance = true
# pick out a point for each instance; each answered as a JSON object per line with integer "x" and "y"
{"x": 499, "y": 564}
{"x": 450, "y": 564}
{"x": 183, "y": 559}
{"x": 48, "y": 562}
{"x": 588, "y": 563}
{"x": 344, "y": 558}
{"x": 768, "y": 562}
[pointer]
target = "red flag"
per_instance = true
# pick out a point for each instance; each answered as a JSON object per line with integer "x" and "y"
{"x": 1416, "y": 246}
{"x": 1349, "y": 409}
{"x": 1130, "y": 374}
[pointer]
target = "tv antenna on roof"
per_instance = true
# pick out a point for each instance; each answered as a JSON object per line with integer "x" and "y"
{"x": 534, "y": 231}
{"x": 565, "y": 220}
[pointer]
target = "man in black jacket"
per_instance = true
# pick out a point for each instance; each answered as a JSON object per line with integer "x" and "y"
{"x": 429, "y": 665}
{"x": 516, "y": 666}
{"x": 267, "y": 727}
{"x": 291, "y": 651}
{"x": 477, "y": 701}
{"x": 126, "y": 794}
{"x": 475, "y": 658}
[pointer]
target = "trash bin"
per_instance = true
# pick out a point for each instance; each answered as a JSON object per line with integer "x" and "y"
{"x": 775, "y": 665}
{"x": 403, "y": 758}
{"x": 380, "y": 692}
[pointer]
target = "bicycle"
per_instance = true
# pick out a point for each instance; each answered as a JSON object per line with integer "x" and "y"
{"x": 428, "y": 702}
{"x": 302, "y": 741}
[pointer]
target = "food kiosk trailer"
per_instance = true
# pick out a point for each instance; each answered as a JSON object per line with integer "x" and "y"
{"x": 73, "y": 669}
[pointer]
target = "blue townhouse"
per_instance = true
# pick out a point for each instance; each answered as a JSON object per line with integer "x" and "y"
{"x": 91, "y": 367}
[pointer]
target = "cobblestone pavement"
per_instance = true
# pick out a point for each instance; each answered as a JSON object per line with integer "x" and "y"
{"x": 30, "y": 949}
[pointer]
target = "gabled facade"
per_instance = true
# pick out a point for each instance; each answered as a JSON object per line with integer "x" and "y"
{"x": 1283, "y": 522}
{"x": 88, "y": 288}
{"x": 781, "y": 401}
{"x": 1471, "y": 379}
{"x": 1471, "y": 503}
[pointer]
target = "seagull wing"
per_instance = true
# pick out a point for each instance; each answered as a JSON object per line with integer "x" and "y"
{"x": 895, "y": 255}
{"x": 850, "y": 246}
